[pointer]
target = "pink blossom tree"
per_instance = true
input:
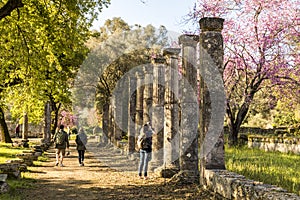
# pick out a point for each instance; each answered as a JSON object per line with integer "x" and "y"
{"x": 261, "y": 39}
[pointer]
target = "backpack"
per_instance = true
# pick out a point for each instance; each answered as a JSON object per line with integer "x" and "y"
{"x": 142, "y": 143}
{"x": 78, "y": 141}
{"x": 60, "y": 138}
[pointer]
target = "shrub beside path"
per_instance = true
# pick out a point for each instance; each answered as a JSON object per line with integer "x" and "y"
{"x": 106, "y": 175}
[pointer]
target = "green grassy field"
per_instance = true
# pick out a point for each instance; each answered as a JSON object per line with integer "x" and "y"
{"x": 273, "y": 168}
{"x": 7, "y": 151}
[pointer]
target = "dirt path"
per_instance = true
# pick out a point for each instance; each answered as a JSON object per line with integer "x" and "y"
{"x": 106, "y": 175}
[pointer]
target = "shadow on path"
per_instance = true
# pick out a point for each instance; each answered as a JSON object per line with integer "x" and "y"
{"x": 106, "y": 175}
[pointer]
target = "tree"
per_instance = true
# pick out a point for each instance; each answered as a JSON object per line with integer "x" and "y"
{"x": 41, "y": 48}
{"x": 118, "y": 48}
{"x": 260, "y": 39}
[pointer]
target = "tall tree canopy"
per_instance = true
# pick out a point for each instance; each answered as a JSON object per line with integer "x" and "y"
{"x": 41, "y": 48}
{"x": 118, "y": 48}
{"x": 261, "y": 39}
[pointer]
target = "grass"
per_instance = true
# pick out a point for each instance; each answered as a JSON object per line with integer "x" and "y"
{"x": 14, "y": 184}
{"x": 8, "y": 152}
{"x": 273, "y": 168}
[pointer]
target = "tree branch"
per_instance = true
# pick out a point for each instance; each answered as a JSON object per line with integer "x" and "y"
{"x": 9, "y": 7}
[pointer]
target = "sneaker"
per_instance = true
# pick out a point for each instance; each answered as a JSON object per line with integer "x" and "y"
{"x": 61, "y": 165}
{"x": 146, "y": 178}
{"x": 82, "y": 164}
{"x": 56, "y": 164}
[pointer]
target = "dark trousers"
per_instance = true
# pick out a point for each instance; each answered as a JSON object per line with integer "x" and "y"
{"x": 81, "y": 156}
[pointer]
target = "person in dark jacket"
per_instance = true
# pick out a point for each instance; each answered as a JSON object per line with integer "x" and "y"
{"x": 81, "y": 141}
{"x": 145, "y": 150}
{"x": 61, "y": 139}
{"x": 17, "y": 131}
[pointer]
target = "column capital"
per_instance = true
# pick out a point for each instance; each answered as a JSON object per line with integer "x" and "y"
{"x": 159, "y": 60}
{"x": 148, "y": 69}
{"x": 171, "y": 51}
{"x": 139, "y": 75}
{"x": 211, "y": 24}
{"x": 188, "y": 40}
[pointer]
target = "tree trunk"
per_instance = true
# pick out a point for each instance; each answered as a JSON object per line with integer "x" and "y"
{"x": 10, "y": 6}
{"x": 55, "y": 119}
{"x": 234, "y": 124}
{"x": 5, "y": 137}
{"x": 233, "y": 136}
{"x": 25, "y": 127}
{"x": 47, "y": 128}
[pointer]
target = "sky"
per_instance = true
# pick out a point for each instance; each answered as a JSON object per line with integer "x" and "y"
{"x": 169, "y": 13}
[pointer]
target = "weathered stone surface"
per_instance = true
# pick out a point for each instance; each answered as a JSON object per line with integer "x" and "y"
{"x": 186, "y": 177}
{"x": 28, "y": 158}
{"x": 167, "y": 171}
{"x": 4, "y": 187}
{"x": 117, "y": 119}
{"x": 105, "y": 123}
{"x": 17, "y": 161}
{"x": 211, "y": 24}
{"x": 236, "y": 187}
{"x": 189, "y": 111}
{"x": 148, "y": 93}
{"x": 3, "y": 177}
{"x": 211, "y": 55}
{"x": 11, "y": 169}
{"x": 131, "y": 115}
{"x": 110, "y": 123}
{"x": 158, "y": 113}
{"x": 139, "y": 103}
{"x": 282, "y": 144}
{"x": 171, "y": 113}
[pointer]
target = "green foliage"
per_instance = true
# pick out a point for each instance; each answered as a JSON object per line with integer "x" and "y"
{"x": 269, "y": 111}
{"x": 273, "y": 168}
{"x": 285, "y": 114}
{"x": 41, "y": 49}
{"x": 117, "y": 49}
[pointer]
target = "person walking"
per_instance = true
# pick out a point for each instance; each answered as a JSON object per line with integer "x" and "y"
{"x": 145, "y": 147}
{"x": 61, "y": 140}
{"x": 81, "y": 141}
{"x": 17, "y": 131}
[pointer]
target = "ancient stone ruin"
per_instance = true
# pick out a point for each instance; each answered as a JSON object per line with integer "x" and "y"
{"x": 181, "y": 93}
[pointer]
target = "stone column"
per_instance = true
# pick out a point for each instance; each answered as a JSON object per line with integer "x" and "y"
{"x": 212, "y": 95}
{"x": 110, "y": 123}
{"x": 189, "y": 111}
{"x": 105, "y": 123}
{"x": 171, "y": 111}
{"x": 131, "y": 116}
{"x": 139, "y": 103}
{"x": 118, "y": 96}
{"x": 157, "y": 113}
{"x": 47, "y": 126}
{"x": 25, "y": 131}
{"x": 112, "y": 120}
{"x": 147, "y": 95}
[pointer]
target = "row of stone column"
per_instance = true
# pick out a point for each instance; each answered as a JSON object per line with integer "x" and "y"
{"x": 177, "y": 102}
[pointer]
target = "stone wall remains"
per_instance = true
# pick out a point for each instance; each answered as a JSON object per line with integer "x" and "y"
{"x": 236, "y": 187}
{"x": 275, "y": 143}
